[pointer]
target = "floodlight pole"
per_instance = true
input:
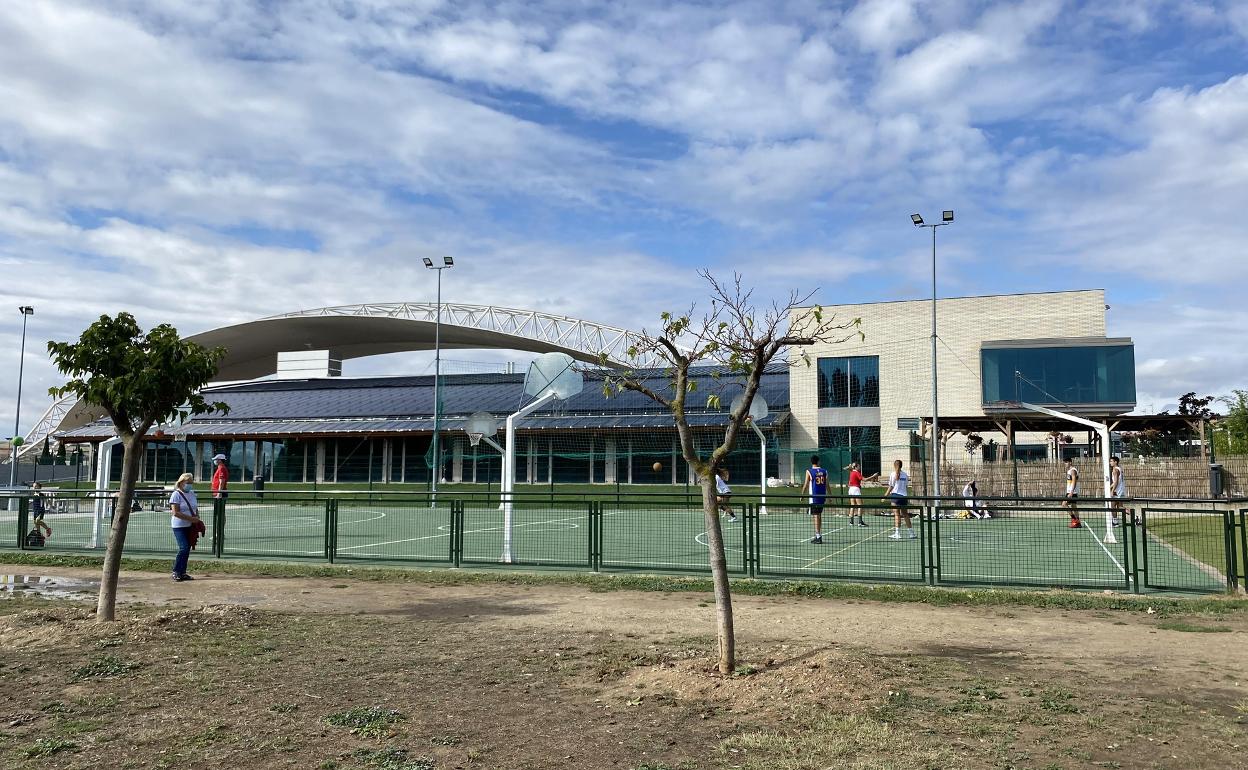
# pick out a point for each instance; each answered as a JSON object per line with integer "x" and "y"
{"x": 25, "y": 310}
{"x": 946, "y": 219}
{"x": 437, "y": 378}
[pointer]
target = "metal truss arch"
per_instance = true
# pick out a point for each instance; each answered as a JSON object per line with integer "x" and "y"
{"x": 587, "y": 338}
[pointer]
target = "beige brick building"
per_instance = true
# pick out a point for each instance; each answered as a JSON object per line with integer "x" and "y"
{"x": 841, "y": 403}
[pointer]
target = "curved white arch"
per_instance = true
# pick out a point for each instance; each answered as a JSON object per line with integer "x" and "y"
{"x": 356, "y": 331}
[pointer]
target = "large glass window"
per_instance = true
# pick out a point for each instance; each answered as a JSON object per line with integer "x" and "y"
{"x": 1094, "y": 374}
{"x": 849, "y": 381}
{"x": 852, "y": 444}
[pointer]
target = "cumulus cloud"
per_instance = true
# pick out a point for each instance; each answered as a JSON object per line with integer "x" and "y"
{"x": 211, "y": 162}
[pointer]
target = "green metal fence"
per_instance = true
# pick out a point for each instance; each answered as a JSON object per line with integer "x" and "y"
{"x": 1160, "y": 545}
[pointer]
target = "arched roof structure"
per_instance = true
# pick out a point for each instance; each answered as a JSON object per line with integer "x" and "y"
{"x": 357, "y": 331}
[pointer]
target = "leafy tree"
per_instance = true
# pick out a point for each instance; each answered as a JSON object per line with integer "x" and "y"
{"x": 734, "y": 336}
{"x": 1169, "y": 442}
{"x": 1230, "y": 435}
{"x": 1191, "y": 405}
{"x": 139, "y": 380}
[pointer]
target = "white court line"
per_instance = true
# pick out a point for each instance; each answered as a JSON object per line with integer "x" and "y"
{"x": 1106, "y": 550}
{"x": 466, "y": 532}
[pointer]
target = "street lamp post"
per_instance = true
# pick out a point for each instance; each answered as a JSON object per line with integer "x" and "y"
{"x": 946, "y": 218}
{"x": 437, "y": 377}
{"x": 25, "y": 310}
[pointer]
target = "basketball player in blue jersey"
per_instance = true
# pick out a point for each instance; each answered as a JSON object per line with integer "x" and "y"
{"x": 817, "y": 482}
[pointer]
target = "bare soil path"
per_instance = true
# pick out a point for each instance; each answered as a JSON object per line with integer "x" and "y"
{"x": 247, "y": 670}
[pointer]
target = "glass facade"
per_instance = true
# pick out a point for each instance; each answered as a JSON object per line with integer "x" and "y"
{"x": 849, "y": 382}
{"x": 1090, "y": 374}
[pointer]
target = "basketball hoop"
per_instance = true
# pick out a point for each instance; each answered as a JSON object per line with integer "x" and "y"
{"x": 478, "y": 426}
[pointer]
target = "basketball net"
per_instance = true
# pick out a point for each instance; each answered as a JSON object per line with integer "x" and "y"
{"x": 474, "y": 438}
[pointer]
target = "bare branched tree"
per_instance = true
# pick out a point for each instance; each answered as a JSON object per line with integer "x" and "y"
{"x": 739, "y": 343}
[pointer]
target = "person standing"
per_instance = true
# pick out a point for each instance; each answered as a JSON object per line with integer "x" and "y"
{"x": 898, "y": 488}
{"x": 723, "y": 494}
{"x": 39, "y": 509}
{"x": 1072, "y": 494}
{"x": 185, "y": 514}
{"x": 1117, "y": 489}
{"x": 854, "y": 488}
{"x": 220, "y": 477}
{"x": 816, "y": 481}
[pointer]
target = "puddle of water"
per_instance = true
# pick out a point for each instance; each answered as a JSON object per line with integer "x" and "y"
{"x": 50, "y": 586}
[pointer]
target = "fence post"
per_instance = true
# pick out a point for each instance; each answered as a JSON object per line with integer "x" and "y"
{"x": 333, "y": 540}
{"x": 750, "y": 545}
{"x": 218, "y": 526}
{"x": 457, "y": 532}
{"x": 1228, "y": 539}
{"x": 329, "y": 513}
{"x": 1243, "y": 543}
{"x": 1134, "y": 566}
{"x": 590, "y": 508}
{"x": 23, "y": 513}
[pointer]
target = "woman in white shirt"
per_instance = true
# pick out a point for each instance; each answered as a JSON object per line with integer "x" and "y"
{"x": 185, "y": 514}
{"x": 898, "y": 485}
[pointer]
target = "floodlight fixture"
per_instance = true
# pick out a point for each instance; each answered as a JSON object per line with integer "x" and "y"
{"x": 448, "y": 261}
{"x": 428, "y": 262}
{"x": 946, "y": 216}
{"x": 917, "y": 220}
{"x": 16, "y": 440}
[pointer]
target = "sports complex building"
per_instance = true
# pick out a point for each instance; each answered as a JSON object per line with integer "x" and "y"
{"x": 294, "y": 419}
{"x": 600, "y": 484}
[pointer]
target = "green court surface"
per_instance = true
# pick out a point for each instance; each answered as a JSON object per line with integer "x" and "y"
{"x": 1018, "y": 547}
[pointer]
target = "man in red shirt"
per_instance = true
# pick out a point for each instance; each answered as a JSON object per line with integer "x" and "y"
{"x": 220, "y": 477}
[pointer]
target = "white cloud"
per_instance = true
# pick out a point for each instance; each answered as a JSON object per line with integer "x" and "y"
{"x": 585, "y": 157}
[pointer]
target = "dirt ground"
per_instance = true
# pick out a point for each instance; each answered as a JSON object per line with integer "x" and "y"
{"x": 337, "y": 674}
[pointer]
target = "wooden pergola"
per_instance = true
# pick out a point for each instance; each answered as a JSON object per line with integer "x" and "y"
{"x": 1012, "y": 422}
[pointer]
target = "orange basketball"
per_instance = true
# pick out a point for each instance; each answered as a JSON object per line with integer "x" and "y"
{"x": 658, "y": 467}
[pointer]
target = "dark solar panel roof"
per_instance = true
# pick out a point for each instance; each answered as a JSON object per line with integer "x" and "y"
{"x": 461, "y": 394}
{"x": 405, "y": 405}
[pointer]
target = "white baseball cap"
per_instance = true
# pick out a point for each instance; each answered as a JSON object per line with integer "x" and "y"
{"x": 219, "y": 457}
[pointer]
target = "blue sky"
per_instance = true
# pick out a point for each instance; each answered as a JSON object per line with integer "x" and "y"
{"x": 211, "y": 162}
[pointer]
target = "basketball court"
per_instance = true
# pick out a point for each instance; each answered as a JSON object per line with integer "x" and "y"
{"x": 1032, "y": 547}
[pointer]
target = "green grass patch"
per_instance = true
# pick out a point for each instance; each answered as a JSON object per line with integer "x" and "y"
{"x": 105, "y": 667}
{"x": 1200, "y": 537}
{"x": 390, "y": 759}
{"x": 367, "y": 721}
{"x": 1216, "y": 606}
{"x": 1179, "y": 625}
{"x": 49, "y": 747}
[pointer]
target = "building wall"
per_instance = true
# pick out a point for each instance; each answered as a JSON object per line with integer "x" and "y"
{"x": 900, "y": 334}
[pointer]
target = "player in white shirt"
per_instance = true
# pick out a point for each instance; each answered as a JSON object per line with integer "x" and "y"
{"x": 898, "y": 487}
{"x": 970, "y": 493}
{"x": 1072, "y": 494}
{"x": 723, "y": 493}
{"x": 1117, "y": 488}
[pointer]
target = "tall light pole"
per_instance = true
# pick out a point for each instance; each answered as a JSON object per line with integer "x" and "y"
{"x": 946, "y": 218}
{"x": 437, "y": 376}
{"x": 14, "y": 443}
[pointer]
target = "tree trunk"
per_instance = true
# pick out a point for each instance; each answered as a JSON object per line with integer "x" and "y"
{"x": 719, "y": 574}
{"x": 105, "y": 609}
